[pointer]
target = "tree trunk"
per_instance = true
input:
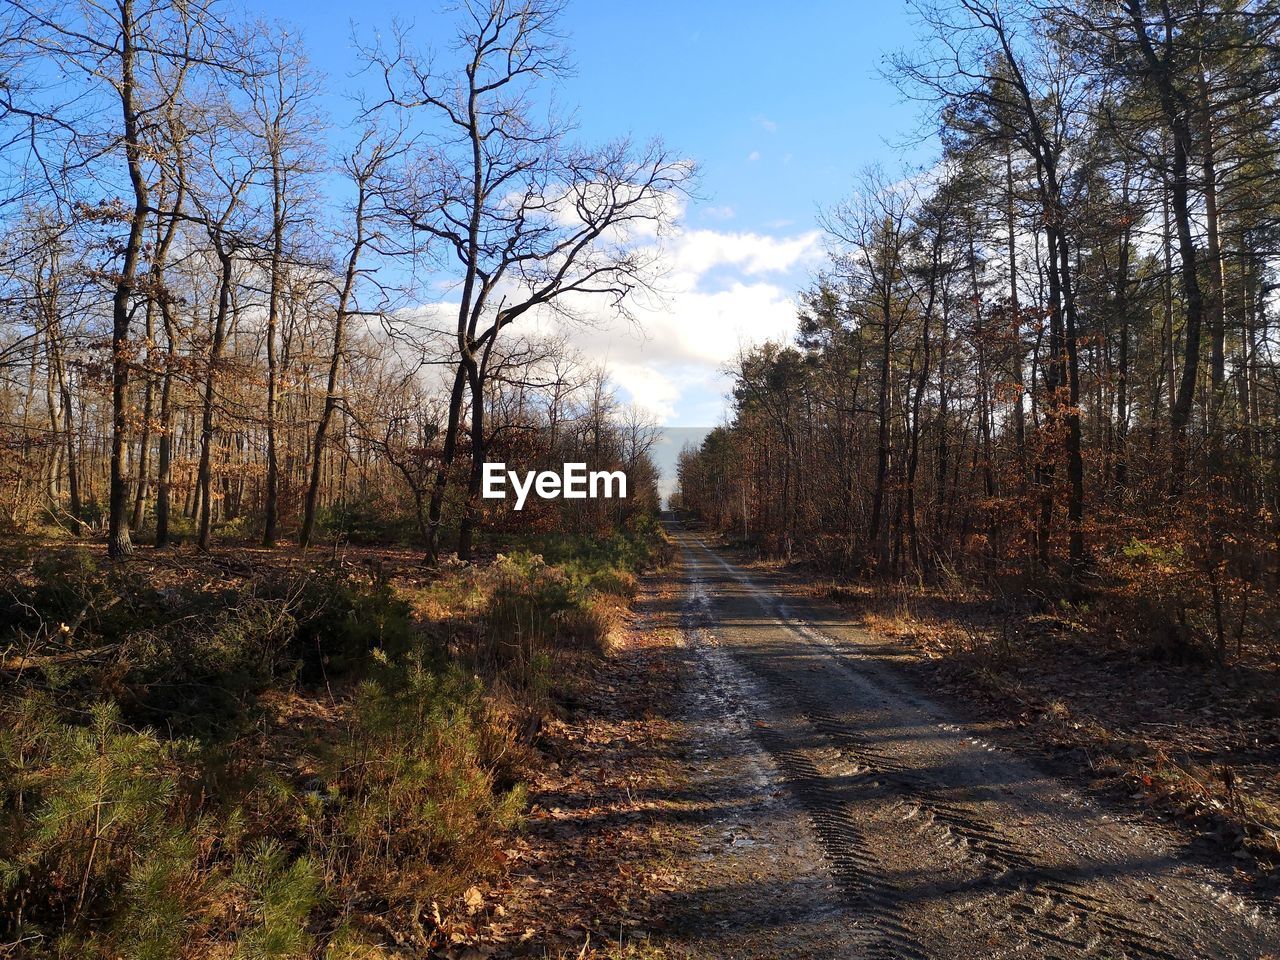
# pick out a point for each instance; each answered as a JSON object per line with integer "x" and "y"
{"x": 119, "y": 544}
{"x": 467, "y": 527}
{"x": 204, "y": 474}
{"x": 878, "y": 541}
{"x": 271, "y": 495}
{"x": 144, "y": 438}
{"x": 1075, "y": 459}
{"x": 435, "y": 511}
{"x": 331, "y": 385}
{"x": 1176, "y": 118}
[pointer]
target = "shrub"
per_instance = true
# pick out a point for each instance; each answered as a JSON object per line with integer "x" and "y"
{"x": 587, "y": 626}
{"x": 238, "y": 528}
{"x": 62, "y": 586}
{"x": 412, "y": 809}
{"x": 191, "y": 659}
{"x": 200, "y": 675}
{"x": 282, "y": 893}
{"x": 340, "y": 622}
{"x": 536, "y": 605}
{"x": 92, "y": 827}
{"x": 366, "y": 521}
{"x": 166, "y": 889}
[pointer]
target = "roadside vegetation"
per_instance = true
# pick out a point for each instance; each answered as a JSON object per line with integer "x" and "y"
{"x": 1031, "y": 404}
{"x": 277, "y": 757}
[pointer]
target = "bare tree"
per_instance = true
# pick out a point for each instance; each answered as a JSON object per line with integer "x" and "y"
{"x": 229, "y": 171}
{"x": 525, "y": 216}
{"x": 363, "y": 168}
{"x": 111, "y": 51}
{"x": 280, "y": 101}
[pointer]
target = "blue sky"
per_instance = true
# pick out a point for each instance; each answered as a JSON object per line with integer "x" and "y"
{"x": 779, "y": 104}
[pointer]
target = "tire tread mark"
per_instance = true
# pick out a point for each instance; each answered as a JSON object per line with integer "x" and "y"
{"x": 1013, "y": 867}
{"x": 857, "y": 872}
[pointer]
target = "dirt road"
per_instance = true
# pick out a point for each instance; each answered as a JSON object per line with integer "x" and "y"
{"x": 848, "y": 814}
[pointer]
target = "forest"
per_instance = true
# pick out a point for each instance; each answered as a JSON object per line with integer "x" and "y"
{"x": 1049, "y": 362}
{"x": 958, "y": 636}
{"x": 212, "y": 324}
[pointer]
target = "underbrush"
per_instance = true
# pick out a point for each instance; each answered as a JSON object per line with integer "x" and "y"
{"x": 284, "y": 762}
{"x": 535, "y": 608}
{"x": 371, "y": 520}
{"x": 191, "y": 656}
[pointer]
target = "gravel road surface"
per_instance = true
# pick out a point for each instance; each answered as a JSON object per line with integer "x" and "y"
{"x": 849, "y": 814}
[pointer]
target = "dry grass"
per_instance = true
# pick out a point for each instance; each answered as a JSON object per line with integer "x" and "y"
{"x": 363, "y": 771}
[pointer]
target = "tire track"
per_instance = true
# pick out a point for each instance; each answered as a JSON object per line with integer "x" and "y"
{"x": 857, "y": 872}
{"x": 1045, "y": 911}
{"x": 1012, "y": 868}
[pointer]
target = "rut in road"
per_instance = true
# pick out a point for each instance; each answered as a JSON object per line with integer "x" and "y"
{"x": 945, "y": 845}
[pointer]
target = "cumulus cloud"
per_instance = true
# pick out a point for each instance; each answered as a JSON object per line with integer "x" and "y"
{"x": 721, "y": 292}
{"x": 716, "y": 293}
{"x": 649, "y": 387}
{"x": 698, "y": 252}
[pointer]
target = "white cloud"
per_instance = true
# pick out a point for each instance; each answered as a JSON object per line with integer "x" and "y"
{"x": 698, "y": 252}
{"x": 753, "y": 156}
{"x": 719, "y": 213}
{"x": 766, "y": 124}
{"x": 721, "y": 292}
{"x": 648, "y": 387}
{"x": 717, "y": 292}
